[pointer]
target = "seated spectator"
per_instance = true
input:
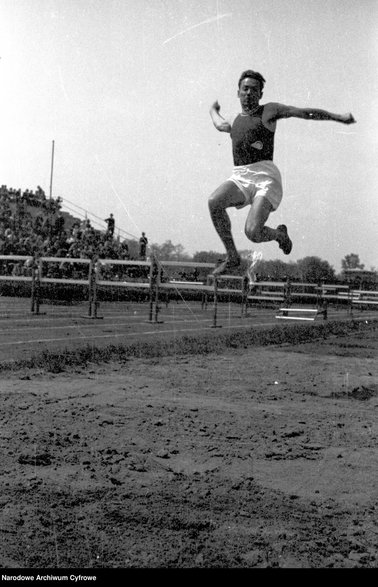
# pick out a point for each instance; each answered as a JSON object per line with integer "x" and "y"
{"x": 18, "y": 269}
{"x": 124, "y": 250}
{"x": 38, "y": 222}
{"x": 32, "y": 225}
{"x": 59, "y": 223}
{"x": 28, "y": 267}
{"x": 40, "y": 193}
{"x": 73, "y": 251}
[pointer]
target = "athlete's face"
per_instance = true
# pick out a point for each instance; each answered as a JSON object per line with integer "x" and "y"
{"x": 249, "y": 93}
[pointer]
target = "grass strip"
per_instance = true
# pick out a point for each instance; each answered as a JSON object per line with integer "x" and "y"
{"x": 200, "y": 344}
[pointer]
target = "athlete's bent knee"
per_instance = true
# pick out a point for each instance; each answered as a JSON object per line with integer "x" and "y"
{"x": 254, "y": 234}
{"x": 215, "y": 202}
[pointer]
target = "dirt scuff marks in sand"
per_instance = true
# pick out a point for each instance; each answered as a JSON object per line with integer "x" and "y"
{"x": 254, "y": 457}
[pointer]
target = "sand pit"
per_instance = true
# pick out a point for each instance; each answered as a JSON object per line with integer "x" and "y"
{"x": 253, "y": 457}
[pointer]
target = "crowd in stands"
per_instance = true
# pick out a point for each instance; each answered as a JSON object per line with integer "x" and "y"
{"x": 31, "y": 224}
{"x": 30, "y": 198}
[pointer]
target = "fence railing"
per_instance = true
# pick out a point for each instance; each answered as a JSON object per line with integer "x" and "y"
{"x": 155, "y": 277}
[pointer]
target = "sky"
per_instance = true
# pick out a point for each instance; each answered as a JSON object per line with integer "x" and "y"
{"x": 122, "y": 89}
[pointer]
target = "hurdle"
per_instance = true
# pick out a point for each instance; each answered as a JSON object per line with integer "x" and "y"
{"x": 331, "y": 291}
{"x": 98, "y": 281}
{"x": 39, "y": 279}
{"x": 205, "y": 289}
{"x": 160, "y": 285}
{"x": 336, "y": 293}
{"x": 22, "y": 278}
{"x": 309, "y": 314}
{"x": 192, "y": 285}
{"x": 288, "y": 312}
{"x": 243, "y": 292}
{"x": 269, "y": 291}
{"x": 363, "y": 298}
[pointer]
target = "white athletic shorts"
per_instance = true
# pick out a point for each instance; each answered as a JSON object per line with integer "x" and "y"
{"x": 258, "y": 179}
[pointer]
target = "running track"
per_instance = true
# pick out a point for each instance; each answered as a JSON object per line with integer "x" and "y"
{"x": 23, "y": 334}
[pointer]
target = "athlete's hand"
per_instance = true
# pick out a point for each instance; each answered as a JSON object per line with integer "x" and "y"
{"x": 215, "y": 106}
{"x": 347, "y": 118}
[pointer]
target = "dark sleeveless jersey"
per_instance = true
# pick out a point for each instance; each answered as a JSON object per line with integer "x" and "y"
{"x": 251, "y": 140}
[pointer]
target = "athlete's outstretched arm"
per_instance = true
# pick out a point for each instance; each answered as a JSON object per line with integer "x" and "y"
{"x": 282, "y": 111}
{"x": 219, "y": 122}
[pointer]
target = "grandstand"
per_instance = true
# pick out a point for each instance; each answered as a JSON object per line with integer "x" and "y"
{"x": 32, "y": 224}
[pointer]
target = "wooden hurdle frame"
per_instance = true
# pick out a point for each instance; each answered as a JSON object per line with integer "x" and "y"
{"x": 204, "y": 289}
{"x": 244, "y": 289}
{"x": 288, "y": 312}
{"x": 309, "y": 314}
{"x": 97, "y": 281}
{"x": 364, "y": 298}
{"x": 26, "y": 278}
{"x": 283, "y": 293}
{"x": 160, "y": 286}
{"x": 259, "y": 293}
{"x": 38, "y": 279}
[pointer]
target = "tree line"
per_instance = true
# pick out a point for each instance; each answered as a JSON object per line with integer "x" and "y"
{"x": 311, "y": 269}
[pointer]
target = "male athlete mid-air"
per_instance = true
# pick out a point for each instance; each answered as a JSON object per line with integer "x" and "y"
{"x": 255, "y": 181}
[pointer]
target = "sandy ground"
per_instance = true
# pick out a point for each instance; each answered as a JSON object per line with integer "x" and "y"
{"x": 259, "y": 457}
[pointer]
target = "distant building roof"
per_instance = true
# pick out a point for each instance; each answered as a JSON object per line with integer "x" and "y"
{"x": 359, "y": 272}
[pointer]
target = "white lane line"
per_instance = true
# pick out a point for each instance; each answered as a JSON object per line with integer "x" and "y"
{"x": 83, "y": 326}
{"x": 129, "y": 321}
{"x": 59, "y": 317}
{"x": 117, "y": 324}
{"x": 149, "y": 332}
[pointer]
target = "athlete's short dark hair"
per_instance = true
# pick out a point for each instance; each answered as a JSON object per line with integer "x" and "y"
{"x": 253, "y": 75}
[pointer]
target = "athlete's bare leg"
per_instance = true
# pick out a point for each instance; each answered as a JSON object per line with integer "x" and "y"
{"x": 227, "y": 195}
{"x": 258, "y": 215}
{"x": 256, "y": 230}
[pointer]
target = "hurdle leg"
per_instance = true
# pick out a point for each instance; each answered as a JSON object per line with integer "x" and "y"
{"x": 350, "y": 303}
{"x": 94, "y": 271}
{"x": 157, "y": 274}
{"x": 325, "y": 310}
{"x": 157, "y": 307}
{"x": 244, "y": 299}
{"x": 33, "y": 288}
{"x": 36, "y": 297}
{"x": 94, "y": 291}
{"x": 153, "y": 270}
{"x": 215, "y": 306}
{"x": 157, "y": 297}
{"x": 91, "y": 292}
{"x": 287, "y": 294}
{"x": 204, "y": 300}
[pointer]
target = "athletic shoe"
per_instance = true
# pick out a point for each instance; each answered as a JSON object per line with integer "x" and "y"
{"x": 253, "y": 259}
{"x": 285, "y": 245}
{"x": 227, "y": 267}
